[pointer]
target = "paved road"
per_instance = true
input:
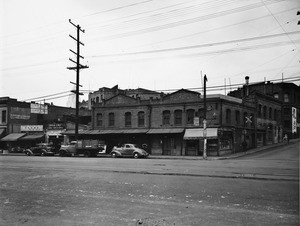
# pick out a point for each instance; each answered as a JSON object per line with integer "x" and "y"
{"x": 259, "y": 189}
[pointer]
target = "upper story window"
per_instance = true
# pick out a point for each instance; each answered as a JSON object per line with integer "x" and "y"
{"x": 237, "y": 117}
{"x": 228, "y": 116}
{"x": 286, "y": 97}
{"x": 275, "y": 114}
{"x": 259, "y": 111}
{"x": 276, "y": 95}
{"x": 3, "y": 116}
{"x": 190, "y": 116}
{"x": 245, "y": 116}
{"x": 97, "y": 100}
{"x": 270, "y": 113}
{"x": 178, "y": 117}
{"x": 265, "y": 112}
{"x": 99, "y": 119}
{"x": 111, "y": 119}
{"x": 166, "y": 117}
{"x": 127, "y": 119}
{"x": 141, "y": 118}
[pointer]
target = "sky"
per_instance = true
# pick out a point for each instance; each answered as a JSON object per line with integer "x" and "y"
{"x": 152, "y": 44}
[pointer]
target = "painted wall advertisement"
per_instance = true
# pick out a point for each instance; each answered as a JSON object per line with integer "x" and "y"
{"x": 19, "y": 113}
{"x": 294, "y": 120}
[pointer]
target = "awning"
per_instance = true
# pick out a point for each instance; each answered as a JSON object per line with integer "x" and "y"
{"x": 123, "y": 131}
{"x": 32, "y": 137}
{"x": 13, "y": 136}
{"x": 194, "y": 134}
{"x": 165, "y": 131}
{"x": 1, "y": 131}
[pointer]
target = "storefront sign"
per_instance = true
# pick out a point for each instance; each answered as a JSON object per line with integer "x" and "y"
{"x": 294, "y": 120}
{"x": 55, "y": 126}
{"x": 29, "y": 128}
{"x": 196, "y": 121}
{"x": 39, "y": 108}
{"x": 19, "y": 113}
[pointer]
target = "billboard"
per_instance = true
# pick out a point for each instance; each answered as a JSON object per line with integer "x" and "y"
{"x": 38, "y": 108}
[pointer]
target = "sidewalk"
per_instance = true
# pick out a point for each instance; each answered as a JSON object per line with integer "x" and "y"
{"x": 229, "y": 156}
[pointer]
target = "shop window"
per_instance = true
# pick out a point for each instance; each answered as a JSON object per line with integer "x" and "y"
{"x": 178, "y": 117}
{"x": 3, "y": 116}
{"x": 228, "y": 116}
{"x": 141, "y": 118}
{"x": 237, "y": 117}
{"x": 287, "y": 124}
{"x": 270, "y": 113}
{"x": 111, "y": 119}
{"x": 166, "y": 117}
{"x": 190, "y": 116}
{"x": 127, "y": 119}
{"x": 99, "y": 119}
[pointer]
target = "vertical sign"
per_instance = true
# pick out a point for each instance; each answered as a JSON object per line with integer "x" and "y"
{"x": 294, "y": 120}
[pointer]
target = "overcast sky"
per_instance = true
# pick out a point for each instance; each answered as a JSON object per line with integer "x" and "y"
{"x": 161, "y": 45}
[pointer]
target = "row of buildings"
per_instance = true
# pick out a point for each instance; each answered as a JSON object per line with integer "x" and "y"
{"x": 169, "y": 124}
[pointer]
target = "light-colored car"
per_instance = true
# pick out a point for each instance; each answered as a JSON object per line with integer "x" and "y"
{"x": 128, "y": 150}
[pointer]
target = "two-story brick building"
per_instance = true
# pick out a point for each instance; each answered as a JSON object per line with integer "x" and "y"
{"x": 173, "y": 124}
{"x": 288, "y": 96}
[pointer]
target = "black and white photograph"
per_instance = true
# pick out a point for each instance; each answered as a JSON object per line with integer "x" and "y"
{"x": 149, "y": 112}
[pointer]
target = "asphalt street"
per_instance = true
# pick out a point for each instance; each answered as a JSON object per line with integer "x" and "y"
{"x": 258, "y": 189}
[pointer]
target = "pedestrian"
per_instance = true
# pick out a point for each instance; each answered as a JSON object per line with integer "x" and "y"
{"x": 244, "y": 145}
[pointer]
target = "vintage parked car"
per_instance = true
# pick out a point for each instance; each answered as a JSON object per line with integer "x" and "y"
{"x": 128, "y": 150}
{"x": 42, "y": 149}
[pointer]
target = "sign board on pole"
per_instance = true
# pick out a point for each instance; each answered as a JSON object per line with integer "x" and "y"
{"x": 294, "y": 120}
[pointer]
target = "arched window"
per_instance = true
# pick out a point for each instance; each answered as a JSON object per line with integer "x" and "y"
{"x": 190, "y": 113}
{"x": 264, "y": 112}
{"x": 127, "y": 119}
{"x": 275, "y": 114}
{"x": 178, "y": 117}
{"x": 237, "y": 117}
{"x": 228, "y": 116}
{"x": 111, "y": 119}
{"x": 97, "y": 99}
{"x": 99, "y": 119}
{"x": 141, "y": 118}
{"x": 166, "y": 117}
{"x": 259, "y": 111}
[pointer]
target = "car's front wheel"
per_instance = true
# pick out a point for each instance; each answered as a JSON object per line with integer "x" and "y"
{"x": 113, "y": 155}
{"x": 27, "y": 153}
{"x": 136, "y": 155}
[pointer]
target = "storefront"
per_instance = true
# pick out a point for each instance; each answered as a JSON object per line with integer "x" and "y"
{"x": 219, "y": 142}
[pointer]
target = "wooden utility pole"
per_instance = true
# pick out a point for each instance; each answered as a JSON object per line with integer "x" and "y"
{"x": 77, "y": 68}
{"x": 204, "y": 120}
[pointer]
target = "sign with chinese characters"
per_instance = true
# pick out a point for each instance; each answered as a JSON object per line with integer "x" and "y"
{"x": 29, "y": 128}
{"x": 294, "y": 120}
{"x": 38, "y": 108}
{"x": 196, "y": 121}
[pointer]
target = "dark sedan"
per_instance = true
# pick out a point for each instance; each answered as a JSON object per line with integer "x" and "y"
{"x": 42, "y": 149}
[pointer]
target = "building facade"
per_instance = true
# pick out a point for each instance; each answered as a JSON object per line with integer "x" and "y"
{"x": 24, "y": 124}
{"x": 288, "y": 95}
{"x": 173, "y": 123}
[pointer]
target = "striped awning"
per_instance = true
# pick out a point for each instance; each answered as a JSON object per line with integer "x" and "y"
{"x": 195, "y": 134}
{"x": 165, "y": 131}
